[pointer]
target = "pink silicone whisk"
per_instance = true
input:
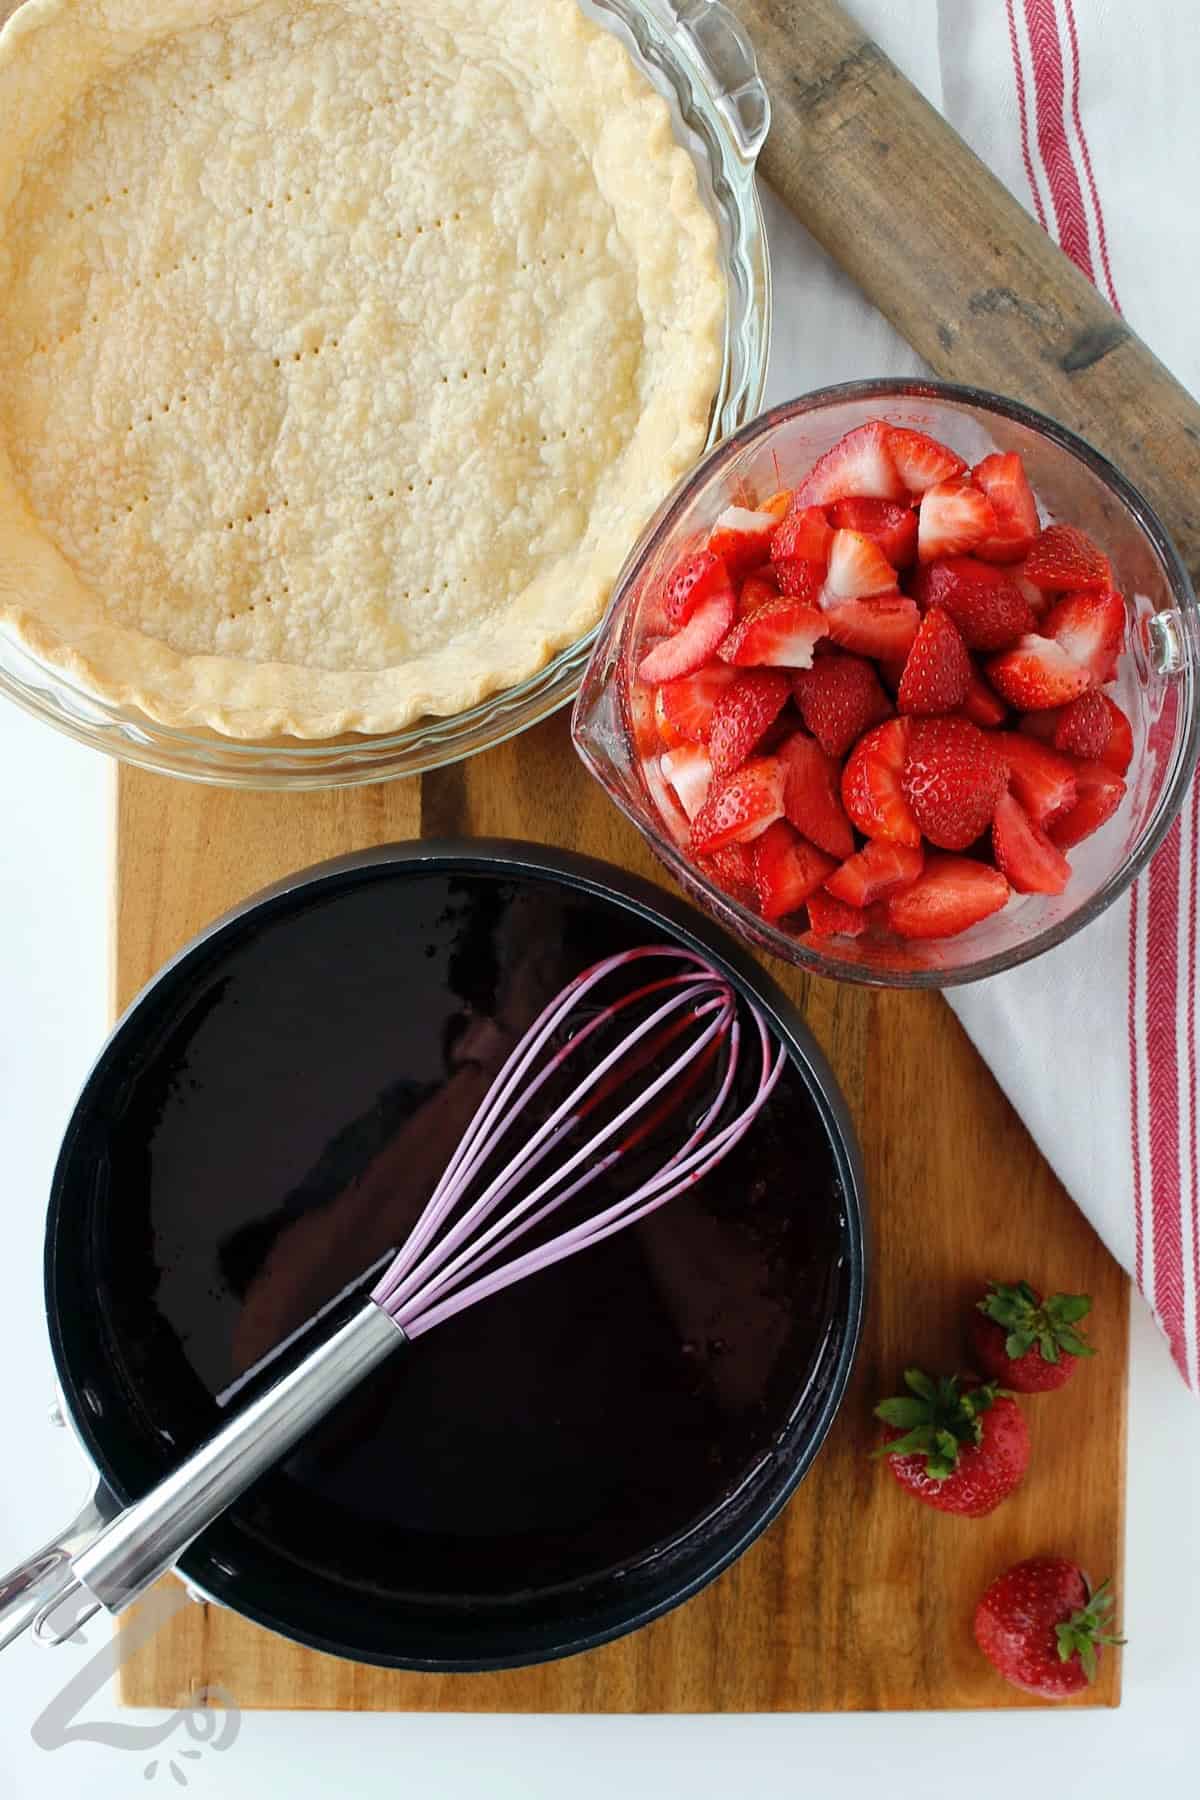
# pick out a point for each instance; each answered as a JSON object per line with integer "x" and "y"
{"x": 679, "y": 1022}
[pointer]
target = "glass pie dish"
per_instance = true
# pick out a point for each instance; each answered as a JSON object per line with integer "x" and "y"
{"x": 696, "y": 55}
{"x": 1158, "y": 687}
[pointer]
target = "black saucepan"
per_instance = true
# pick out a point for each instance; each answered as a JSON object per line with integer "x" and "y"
{"x": 544, "y": 1473}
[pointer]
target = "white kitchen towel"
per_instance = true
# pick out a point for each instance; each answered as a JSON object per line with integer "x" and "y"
{"x": 1085, "y": 109}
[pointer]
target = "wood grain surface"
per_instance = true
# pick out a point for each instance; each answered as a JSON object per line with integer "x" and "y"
{"x": 858, "y": 1597}
{"x": 954, "y": 261}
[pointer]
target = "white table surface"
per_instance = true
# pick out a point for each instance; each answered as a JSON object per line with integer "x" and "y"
{"x": 55, "y": 804}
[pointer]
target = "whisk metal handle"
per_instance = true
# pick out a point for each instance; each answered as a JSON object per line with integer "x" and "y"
{"x": 146, "y": 1539}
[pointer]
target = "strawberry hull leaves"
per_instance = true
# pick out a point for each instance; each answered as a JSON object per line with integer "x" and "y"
{"x": 1042, "y": 1628}
{"x": 959, "y": 1447}
{"x": 935, "y": 1419}
{"x": 1029, "y": 1343}
{"x": 1084, "y": 1631}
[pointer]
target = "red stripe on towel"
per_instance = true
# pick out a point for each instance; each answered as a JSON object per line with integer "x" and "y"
{"x": 1097, "y": 209}
{"x": 1019, "y": 75}
{"x": 1065, "y": 192}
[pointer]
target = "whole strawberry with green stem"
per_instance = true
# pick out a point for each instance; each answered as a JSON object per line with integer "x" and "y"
{"x": 1043, "y": 1628}
{"x": 958, "y": 1445}
{"x": 1028, "y": 1343}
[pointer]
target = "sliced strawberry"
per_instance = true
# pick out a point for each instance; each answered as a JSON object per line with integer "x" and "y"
{"x": 812, "y": 797}
{"x": 871, "y": 785}
{"x": 985, "y": 603}
{"x": 840, "y": 698}
{"x": 1038, "y": 601}
{"x": 921, "y": 461}
{"x": 787, "y": 869}
{"x": 953, "y": 776}
{"x": 1037, "y": 672}
{"x": 687, "y": 704}
{"x": 1081, "y": 729}
{"x": 1024, "y": 854}
{"x": 982, "y": 705}
{"x": 954, "y": 893}
{"x": 742, "y": 714}
{"x": 857, "y": 568}
{"x": 779, "y": 634}
{"x": 882, "y": 627}
{"x": 832, "y": 918}
{"x": 1064, "y": 559}
{"x": 689, "y": 772}
{"x": 800, "y": 578}
{"x": 1109, "y": 671}
{"x": 756, "y": 590}
{"x": 780, "y": 729}
{"x": 740, "y": 807}
{"x": 858, "y": 465}
{"x": 731, "y": 870}
{"x": 778, "y": 504}
{"x": 692, "y": 580}
{"x": 891, "y": 671}
{"x": 669, "y": 735}
{"x": 1117, "y": 753}
{"x": 804, "y": 532}
{"x": 876, "y": 871}
{"x": 1042, "y": 779}
{"x": 1099, "y": 792}
{"x": 955, "y": 517}
{"x": 1091, "y": 629}
{"x": 643, "y": 720}
{"x": 888, "y": 523}
{"x": 694, "y": 643}
{"x": 742, "y": 539}
{"x": 938, "y": 671}
{"x": 1042, "y": 725}
{"x": 1002, "y": 478}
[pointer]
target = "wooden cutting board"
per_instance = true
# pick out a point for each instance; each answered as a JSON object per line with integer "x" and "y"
{"x": 858, "y": 1597}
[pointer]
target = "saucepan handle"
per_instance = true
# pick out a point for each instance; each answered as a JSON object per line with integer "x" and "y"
{"x": 145, "y": 1540}
{"x": 43, "y": 1578}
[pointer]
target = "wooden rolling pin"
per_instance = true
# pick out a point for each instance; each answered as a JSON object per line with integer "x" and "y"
{"x": 945, "y": 252}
